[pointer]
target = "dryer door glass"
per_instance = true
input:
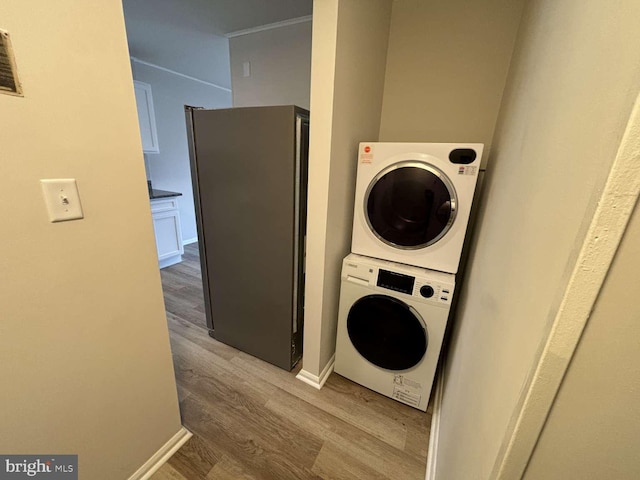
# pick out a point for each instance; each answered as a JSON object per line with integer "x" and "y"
{"x": 410, "y": 205}
{"x": 386, "y": 332}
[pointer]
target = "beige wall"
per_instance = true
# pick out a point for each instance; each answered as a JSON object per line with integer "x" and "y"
{"x": 446, "y": 69}
{"x": 280, "y": 61}
{"x": 349, "y": 55}
{"x": 85, "y": 365}
{"x": 560, "y": 124}
{"x": 593, "y": 430}
{"x": 373, "y": 78}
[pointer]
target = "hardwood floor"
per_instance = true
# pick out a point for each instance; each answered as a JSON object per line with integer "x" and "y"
{"x": 252, "y": 420}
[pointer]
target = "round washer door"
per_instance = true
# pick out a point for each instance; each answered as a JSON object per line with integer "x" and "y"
{"x": 410, "y": 205}
{"x": 386, "y": 332}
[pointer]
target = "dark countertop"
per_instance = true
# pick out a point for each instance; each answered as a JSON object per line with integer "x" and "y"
{"x": 155, "y": 193}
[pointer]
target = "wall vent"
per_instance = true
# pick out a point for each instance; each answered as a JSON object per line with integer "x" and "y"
{"x": 9, "y": 82}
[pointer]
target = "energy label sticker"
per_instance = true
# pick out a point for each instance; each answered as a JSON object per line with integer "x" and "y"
{"x": 468, "y": 170}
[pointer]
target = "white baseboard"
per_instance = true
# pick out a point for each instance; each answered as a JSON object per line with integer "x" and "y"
{"x": 159, "y": 458}
{"x": 434, "y": 433}
{"x": 189, "y": 241}
{"x": 167, "y": 262}
{"x": 317, "y": 381}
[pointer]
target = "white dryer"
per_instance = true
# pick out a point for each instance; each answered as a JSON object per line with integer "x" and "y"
{"x": 413, "y": 201}
{"x": 391, "y": 323}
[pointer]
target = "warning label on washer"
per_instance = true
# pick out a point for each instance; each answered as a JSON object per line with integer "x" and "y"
{"x": 406, "y": 390}
{"x": 467, "y": 170}
{"x": 406, "y": 396}
{"x": 407, "y": 382}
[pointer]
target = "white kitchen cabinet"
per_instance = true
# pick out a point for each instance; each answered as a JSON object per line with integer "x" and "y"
{"x": 146, "y": 117}
{"x": 166, "y": 223}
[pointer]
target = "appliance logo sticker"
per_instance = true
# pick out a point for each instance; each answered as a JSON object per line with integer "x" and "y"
{"x": 365, "y": 155}
{"x": 468, "y": 170}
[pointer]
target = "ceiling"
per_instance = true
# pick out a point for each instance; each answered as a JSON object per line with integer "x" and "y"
{"x": 189, "y": 35}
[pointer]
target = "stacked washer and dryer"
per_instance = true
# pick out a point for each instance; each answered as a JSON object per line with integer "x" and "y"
{"x": 412, "y": 208}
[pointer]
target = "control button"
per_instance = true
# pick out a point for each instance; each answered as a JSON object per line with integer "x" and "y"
{"x": 445, "y": 291}
{"x": 444, "y": 299}
{"x": 426, "y": 291}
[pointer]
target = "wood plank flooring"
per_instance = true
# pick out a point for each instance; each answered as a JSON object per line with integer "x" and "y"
{"x": 254, "y": 421}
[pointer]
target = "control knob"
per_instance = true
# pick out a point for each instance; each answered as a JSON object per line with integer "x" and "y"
{"x": 426, "y": 291}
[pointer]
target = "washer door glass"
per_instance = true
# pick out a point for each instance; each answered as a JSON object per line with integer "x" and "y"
{"x": 386, "y": 332}
{"x": 410, "y": 205}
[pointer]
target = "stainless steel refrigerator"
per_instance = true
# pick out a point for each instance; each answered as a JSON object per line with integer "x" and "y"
{"x": 249, "y": 172}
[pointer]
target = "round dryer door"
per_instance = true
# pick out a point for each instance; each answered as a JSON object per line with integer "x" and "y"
{"x": 386, "y": 332}
{"x": 410, "y": 205}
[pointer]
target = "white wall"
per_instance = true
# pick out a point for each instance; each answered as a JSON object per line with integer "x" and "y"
{"x": 280, "y": 60}
{"x": 562, "y": 119}
{"x": 349, "y": 55}
{"x": 446, "y": 69}
{"x": 169, "y": 169}
{"x": 85, "y": 364}
{"x": 184, "y": 36}
{"x": 593, "y": 430}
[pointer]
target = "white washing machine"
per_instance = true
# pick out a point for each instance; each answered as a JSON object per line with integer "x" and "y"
{"x": 413, "y": 202}
{"x": 391, "y": 323}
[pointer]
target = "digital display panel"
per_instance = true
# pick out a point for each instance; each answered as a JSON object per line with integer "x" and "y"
{"x": 396, "y": 281}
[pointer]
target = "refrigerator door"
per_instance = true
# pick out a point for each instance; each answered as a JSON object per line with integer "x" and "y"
{"x": 300, "y": 225}
{"x": 247, "y": 188}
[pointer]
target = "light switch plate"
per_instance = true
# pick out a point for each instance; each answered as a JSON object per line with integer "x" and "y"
{"x": 62, "y": 199}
